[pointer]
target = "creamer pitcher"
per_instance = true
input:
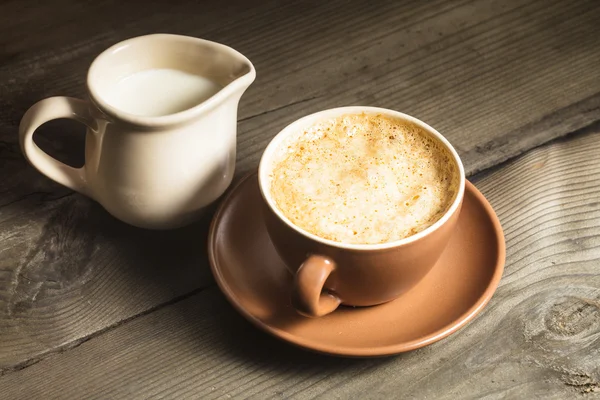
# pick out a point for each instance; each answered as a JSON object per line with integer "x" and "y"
{"x": 161, "y": 122}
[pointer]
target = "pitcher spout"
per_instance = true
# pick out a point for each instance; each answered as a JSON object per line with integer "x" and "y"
{"x": 229, "y": 68}
{"x": 241, "y": 72}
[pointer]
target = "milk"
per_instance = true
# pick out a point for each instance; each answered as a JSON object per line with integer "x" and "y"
{"x": 157, "y": 92}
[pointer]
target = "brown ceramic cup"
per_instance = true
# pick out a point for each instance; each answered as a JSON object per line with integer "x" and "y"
{"x": 329, "y": 273}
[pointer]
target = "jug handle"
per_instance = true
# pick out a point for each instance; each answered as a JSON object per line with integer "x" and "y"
{"x": 42, "y": 112}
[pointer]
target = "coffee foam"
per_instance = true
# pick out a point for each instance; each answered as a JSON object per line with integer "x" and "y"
{"x": 363, "y": 179}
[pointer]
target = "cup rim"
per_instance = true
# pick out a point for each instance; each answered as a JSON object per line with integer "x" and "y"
{"x": 266, "y": 161}
{"x": 178, "y": 117}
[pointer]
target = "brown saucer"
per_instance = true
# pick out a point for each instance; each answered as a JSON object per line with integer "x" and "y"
{"x": 254, "y": 279}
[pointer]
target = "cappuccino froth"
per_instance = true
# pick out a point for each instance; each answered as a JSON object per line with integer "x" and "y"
{"x": 364, "y": 179}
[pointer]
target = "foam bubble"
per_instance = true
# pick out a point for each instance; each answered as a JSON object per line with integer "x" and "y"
{"x": 364, "y": 179}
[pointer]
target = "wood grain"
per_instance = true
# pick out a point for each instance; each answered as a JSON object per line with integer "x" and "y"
{"x": 496, "y": 77}
{"x": 539, "y": 337}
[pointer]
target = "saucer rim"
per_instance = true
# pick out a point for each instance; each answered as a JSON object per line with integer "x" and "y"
{"x": 370, "y": 351}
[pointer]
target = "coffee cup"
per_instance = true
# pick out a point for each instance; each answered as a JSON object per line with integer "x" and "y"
{"x": 161, "y": 118}
{"x": 329, "y": 273}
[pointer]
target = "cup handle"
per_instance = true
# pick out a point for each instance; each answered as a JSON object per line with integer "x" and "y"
{"x": 44, "y": 111}
{"x": 308, "y": 296}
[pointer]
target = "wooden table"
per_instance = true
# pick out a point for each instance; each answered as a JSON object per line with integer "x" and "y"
{"x": 93, "y": 308}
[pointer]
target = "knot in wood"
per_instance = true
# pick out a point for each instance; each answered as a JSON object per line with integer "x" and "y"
{"x": 573, "y": 315}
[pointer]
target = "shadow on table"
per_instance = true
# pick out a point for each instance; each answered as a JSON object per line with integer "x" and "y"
{"x": 243, "y": 341}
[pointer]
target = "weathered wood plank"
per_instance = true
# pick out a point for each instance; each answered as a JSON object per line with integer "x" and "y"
{"x": 539, "y": 337}
{"x": 496, "y": 77}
